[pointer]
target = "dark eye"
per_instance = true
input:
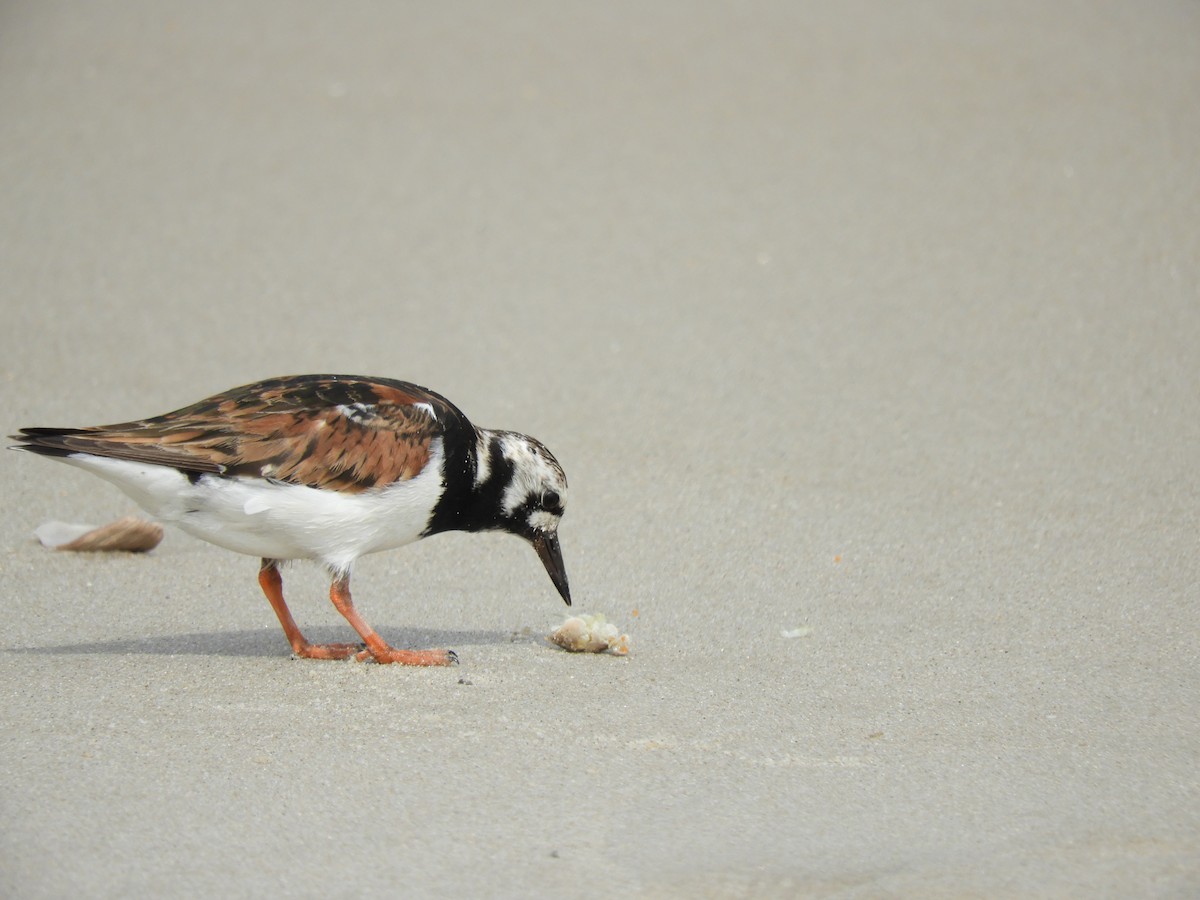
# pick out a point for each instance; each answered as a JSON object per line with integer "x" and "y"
{"x": 550, "y": 500}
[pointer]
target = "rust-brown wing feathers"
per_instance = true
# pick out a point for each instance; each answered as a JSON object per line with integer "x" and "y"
{"x": 335, "y": 432}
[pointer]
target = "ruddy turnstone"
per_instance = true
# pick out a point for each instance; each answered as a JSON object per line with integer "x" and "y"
{"x": 328, "y": 468}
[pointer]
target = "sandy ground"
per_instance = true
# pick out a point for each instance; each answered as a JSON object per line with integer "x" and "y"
{"x": 875, "y": 320}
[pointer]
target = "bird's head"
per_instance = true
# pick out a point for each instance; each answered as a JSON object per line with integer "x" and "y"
{"x": 533, "y": 499}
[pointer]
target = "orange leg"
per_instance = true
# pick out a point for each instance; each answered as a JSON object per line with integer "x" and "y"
{"x": 377, "y": 648}
{"x": 272, "y": 585}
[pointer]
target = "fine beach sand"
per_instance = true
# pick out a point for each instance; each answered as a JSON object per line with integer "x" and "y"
{"x": 867, "y": 335}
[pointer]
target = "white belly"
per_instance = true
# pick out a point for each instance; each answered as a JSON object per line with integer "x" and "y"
{"x": 280, "y": 521}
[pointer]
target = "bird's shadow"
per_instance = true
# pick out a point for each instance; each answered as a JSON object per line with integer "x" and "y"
{"x": 264, "y": 642}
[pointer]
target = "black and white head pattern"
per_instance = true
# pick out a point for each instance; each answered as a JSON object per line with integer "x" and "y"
{"x": 534, "y": 497}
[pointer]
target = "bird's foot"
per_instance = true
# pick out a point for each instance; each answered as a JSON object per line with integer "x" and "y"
{"x": 327, "y": 651}
{"x": 409, "y": 657}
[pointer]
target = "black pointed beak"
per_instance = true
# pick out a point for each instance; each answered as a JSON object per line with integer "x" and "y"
{"x": 548, "y": 551}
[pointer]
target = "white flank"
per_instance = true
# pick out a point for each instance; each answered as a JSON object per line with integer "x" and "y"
{"x": 273, "y": 520}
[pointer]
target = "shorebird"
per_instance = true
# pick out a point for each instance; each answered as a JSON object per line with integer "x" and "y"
{"x": 327, "y": 468}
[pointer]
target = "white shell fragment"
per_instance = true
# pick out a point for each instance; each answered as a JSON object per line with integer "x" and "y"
{"x": 590, "y": 634}
{"x": 802, "y": 631}
{"x": 130, "y": 534}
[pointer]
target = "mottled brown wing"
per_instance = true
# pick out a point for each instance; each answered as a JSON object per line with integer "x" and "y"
{"x": 336, "y": 432}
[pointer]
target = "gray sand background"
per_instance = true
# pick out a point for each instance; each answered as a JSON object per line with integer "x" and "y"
{"x": 878, "y": 320}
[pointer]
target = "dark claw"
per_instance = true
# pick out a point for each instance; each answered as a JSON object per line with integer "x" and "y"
{"x": 453, "y": 657}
